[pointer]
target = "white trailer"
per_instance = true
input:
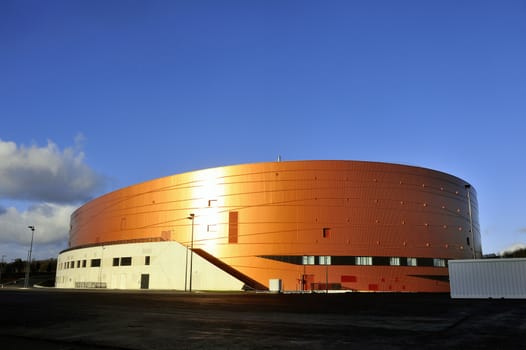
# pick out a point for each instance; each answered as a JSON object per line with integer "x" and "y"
{"x": 488, "y": 278}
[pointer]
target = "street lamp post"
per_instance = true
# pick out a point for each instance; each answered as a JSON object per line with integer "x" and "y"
{"x": 1, "y": 267}
{"x": 186, "y": 269}
{"x": 191, "y": 217}
{"x": 468, "y": 187}
{"x": 28, "y": 266}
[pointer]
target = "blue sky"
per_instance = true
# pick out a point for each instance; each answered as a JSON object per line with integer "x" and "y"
{"x": 98, "y": 95}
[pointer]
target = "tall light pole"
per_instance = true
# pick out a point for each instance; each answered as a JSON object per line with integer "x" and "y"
{"x": 28, "y": 266}
{"x": 1, "y": 267}
{"x": 191, "y": 217}
{"x": 468, "y": 187}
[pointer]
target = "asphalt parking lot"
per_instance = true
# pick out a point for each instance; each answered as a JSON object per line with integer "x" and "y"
{"x": 101, "y": 319}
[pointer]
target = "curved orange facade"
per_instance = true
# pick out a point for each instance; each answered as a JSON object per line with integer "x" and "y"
{"x": 346, "y": 225}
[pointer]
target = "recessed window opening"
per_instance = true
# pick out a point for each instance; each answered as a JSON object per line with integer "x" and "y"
{"x": 394, "y": 261}
{"x": 438, "y": 262}
{"x": 126, "y": 261}
{"x": 364, "y": 260}
{"x": 308, "y": 260}
{"x": 232, "y": 227}
{"x": 325, "y": 260}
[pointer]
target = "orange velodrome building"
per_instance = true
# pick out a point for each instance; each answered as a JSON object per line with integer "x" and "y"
{"x": 290, "y": 226}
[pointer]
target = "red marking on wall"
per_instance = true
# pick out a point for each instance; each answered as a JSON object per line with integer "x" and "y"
{"x": 348, "y": 278}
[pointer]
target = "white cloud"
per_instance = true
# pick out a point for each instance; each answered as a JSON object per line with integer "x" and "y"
{"x": 47, "y": 184}
{"x": 51, "y": 222}
{"x": 46, "y": 173}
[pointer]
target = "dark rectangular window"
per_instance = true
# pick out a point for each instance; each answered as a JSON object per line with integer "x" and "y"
{"x": 147, "y": 260}
{"x": 343, "y": 260}
{"x": 232, "y": 227}
{"x": 424, "y": 262}
{"x": 326, "y": 233}
{"x": 115, "y": 261}
{"x": 95, "y": 263}
{"x": 126, "y": 261}
{"x": 78, "y": 264}
{"x": 380, "y": 261}
{"x": 83, "y": 263}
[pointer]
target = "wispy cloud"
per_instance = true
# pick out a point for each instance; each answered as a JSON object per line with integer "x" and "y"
{"x": 46, "y": 173}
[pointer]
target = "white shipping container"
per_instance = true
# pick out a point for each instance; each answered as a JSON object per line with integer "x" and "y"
{"x": 488, "y": 278}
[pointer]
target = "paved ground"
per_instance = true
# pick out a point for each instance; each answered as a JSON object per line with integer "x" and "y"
{"x": 52, "y": 319}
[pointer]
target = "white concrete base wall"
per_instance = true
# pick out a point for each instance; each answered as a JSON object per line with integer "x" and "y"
{"x": 166, "y": 269}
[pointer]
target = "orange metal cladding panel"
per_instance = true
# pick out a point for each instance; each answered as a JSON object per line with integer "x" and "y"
{"x": 282, "y": 209}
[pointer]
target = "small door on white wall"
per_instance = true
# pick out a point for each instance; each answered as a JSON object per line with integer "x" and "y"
{"x": 145, "y": 281}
